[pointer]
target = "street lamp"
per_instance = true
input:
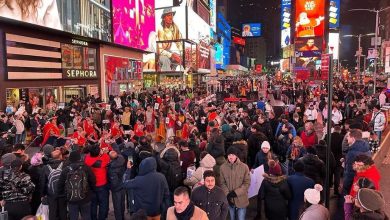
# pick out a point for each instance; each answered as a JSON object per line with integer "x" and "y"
{"x": 376, "y": 35}
{"x": 359, "y": 51}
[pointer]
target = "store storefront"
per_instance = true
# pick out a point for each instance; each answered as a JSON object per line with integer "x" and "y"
{"x": 121, "y": 71}
{"x": 45, "y": 69}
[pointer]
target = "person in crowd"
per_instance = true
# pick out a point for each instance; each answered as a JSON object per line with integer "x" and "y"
{"x": 294, "y": 152}
{"x": 364, "y": 167}
{"x": 274, "y": 192}
{"x": 183, "y": 207}
{"x": 378, "y": 121}
{"x": 216, "y": 148}
{"x": 298, "y": 183}
{"x": 235, "y": 180}
{"x": 16, "y": 190}
{"x": 297, "y": 122}
{"x": 314, "y": 166}
{"x": 311, "y": 114}
{"x": 263, "y": 156}
{"x": 207, "y": 163}
{"x": 255, "y": 140}
{"x": 309, "y": 136}
{"x": 357, "y": 147}
{"x": 98, "y": 161}
{"x": 170, "y": 167}
{"x": 50, "y": 176}
{"x": 153, "y": 198}
{"x": 187, "y": 157}
{"x": 336, "y": 149}
{"x": 35, "y": 171}
{"x": 211, "y": 198}
{"x": 312, "y": 207}
{"x": 337, "y": 116}
{"x": 369, "y": 204}
{"x": 77, "y": 182}
{"x": 116, "y": 169}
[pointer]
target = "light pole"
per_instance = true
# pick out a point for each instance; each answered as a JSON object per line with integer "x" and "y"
{"x": 376, "y": 36}
{"x": 359, "y": 51}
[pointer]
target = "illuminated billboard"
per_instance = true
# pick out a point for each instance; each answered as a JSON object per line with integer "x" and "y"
{"x": 134, "y": 23}
{"x": 334, "y": 14}
{"x": 308, "y": 46}
{"x": 285, "y": 23}
{"x": 251, "y": 30}
{"x": 85, "y": 18}
{"x": 334, "y": 41}
{"x": 224, "y": 36}
{"x": 309, "y": 18}
{"x": 213, "y": 15}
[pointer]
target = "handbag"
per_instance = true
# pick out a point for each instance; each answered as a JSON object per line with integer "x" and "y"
{"x": 42, "y": 212}
{"x": 3, "y": 214}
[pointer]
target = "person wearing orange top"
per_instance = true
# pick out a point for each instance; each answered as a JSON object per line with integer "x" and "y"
{"x": 139, "y": 129}
{"x": 160, "y": 133}
{"x": 79, "y": 137}
{"x": 50, "y": 132}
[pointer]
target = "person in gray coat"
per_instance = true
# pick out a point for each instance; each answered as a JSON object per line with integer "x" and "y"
{"x": 211, "y": 198}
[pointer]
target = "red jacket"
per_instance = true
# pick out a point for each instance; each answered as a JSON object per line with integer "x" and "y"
{"x": 99, "y": 170}
{"x": 309, "y": 141}
{"x": 370, "y": 173}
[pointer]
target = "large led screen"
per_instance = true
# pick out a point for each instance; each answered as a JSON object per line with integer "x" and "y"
{"x": 308, "y": 46}
{"x": 81, "y": 17}
{"x": 334, "y": 43}
{"x": 334, "y": 14}
{"x": 309, "y": 18}
{"x": 213, "y": 15}
{"x": 285, "y": 23}
{"x": 251, "y": 30}
{"x": 134, "y": 23}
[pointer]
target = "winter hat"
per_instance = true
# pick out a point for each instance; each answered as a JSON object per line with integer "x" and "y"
{"x": 265, "y": 145}
{"x": 232, "y": 150}
{"x": 74, "y": 157}
{"x": 7, "y": 158}
{"x": 47, "y": 149}
{"x": 313, "y": 196}
{"x": 274, "y": 168}
{"x": 370, "y": 199}
{"x": 225, "y": 128}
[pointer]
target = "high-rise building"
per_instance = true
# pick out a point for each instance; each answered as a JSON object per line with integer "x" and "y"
{"x": 385, "y": 20}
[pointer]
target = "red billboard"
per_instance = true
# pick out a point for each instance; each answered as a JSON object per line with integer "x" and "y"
{"x": 239, "y": 41}
{"x": 309, "y": 18}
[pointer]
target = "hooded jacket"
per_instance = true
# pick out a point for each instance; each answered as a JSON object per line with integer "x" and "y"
{"x": 150, "y": 188}
{"x": 275, "y": 192}
{"x": 235, "y": 177}
{"x": 116, "y": 169}
{"x": 207, "y": 163}
{"x": 371, "y": 173}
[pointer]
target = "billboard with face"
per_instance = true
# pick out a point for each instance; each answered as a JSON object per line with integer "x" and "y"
{"x": 308, "y": 46}
{"x": 134, "y": 23}
{"x": 251, "y": 30}
{"x": 309, "y": 18}
{"x": 83, "y": 17}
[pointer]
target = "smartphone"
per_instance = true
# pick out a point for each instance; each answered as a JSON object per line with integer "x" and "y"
{"x": 130, "y": 158}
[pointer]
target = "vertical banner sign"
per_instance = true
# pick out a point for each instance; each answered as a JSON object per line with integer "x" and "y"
{"x": 334, "y": 14}
{"x": 325, "y": 63}
{"x": 387, "y": 60}
{"x": 285, "y": 23}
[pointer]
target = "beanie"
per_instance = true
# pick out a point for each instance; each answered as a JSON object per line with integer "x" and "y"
{"x": 74, "y": 157}
{"x": 370, "y": 199}
{"x": 274, "y": 168}
{"x": 265, "y": 145}
{"x": 232, "y": 150}
{"x": 47, "y": 149}
{"x": 313, "y": 196}
{"x": 7, "y": 159}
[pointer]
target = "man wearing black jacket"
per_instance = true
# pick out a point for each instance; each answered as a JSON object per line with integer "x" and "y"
{"x": 211, "y": 198}
{"x": 83, "y": 206}
{"x": 116, "y": 169}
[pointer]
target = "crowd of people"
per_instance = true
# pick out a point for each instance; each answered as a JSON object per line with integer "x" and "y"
{"x": 166, "y": 154}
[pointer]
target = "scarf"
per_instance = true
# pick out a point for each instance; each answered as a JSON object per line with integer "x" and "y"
{"x": 187, "y": 213}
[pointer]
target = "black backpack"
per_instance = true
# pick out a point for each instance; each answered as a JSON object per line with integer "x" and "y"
{"x": 174, "y": 176}
{"x": 54, "y": 177}
{"x": 76, "y": 184}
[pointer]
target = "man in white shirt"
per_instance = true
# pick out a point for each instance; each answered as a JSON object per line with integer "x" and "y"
{"x": 378, "y": 120}
{"x": 311, "y": 114}
{"x": 337, "y": 117}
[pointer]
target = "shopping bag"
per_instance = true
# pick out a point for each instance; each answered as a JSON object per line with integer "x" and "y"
{"x": 42, "y": 212}
{"x": 3, "y": 214}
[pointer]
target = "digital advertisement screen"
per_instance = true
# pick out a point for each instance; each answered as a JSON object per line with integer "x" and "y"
{"x": 285, "y": 23}
{"x": 134, "y": 23}
{"x": 213, "y": 15}
{"x": 86, "y": 18}
{"x": 308, "y": 46}
{"x": 309, "y": 18}
{"x": 334, "y": 14}
{"x": 286, "y": 37}
{"x": 121, "y": 69}
{"x": 334, "y": 43}
{"x": 251, "y": 30}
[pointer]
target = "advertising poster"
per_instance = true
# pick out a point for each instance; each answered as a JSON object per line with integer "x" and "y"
{"x": 83, "y": 17}
{"x": 325, "y": 62}
{"x": 213, "y": 15}
{"x": 285, "y": 23}
{"x": 121, "y": 69}
{"x": 334, "y": 14}
{"x": 334, "y": 43}
{"x": 134, "y": 23}
{"x": 171, "y": 29}
{"x": 308, "y": 46}
{"x": 309, "y": 18}
{"x": 251, "y": 30}
{"x": 387, "y": 60}
{"x": 305, "y": 67}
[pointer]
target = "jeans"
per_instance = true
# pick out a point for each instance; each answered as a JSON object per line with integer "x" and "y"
{"x": 118, "y": 201}
{"x": 379, "y": 134}
{"x": 237, "y": 213}
{"x": 18, "y": 138}
{"x": 84, "y": 209}
{"x": 100, "y": 198}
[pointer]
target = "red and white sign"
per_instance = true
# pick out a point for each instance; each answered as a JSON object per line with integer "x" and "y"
{"x": 325, "y": 62}
{"x": 259, "y": 68}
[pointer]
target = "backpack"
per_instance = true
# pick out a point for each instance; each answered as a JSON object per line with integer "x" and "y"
{"x": 76, "y": 184}
{"x": 174, "y": 176}
{"x": 54, "y": 177}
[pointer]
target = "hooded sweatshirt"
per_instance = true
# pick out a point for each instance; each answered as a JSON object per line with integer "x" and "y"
{"x": 150, "y": 188}
{"x": 370, "y": 173}
{"x": 207, "y": 163}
